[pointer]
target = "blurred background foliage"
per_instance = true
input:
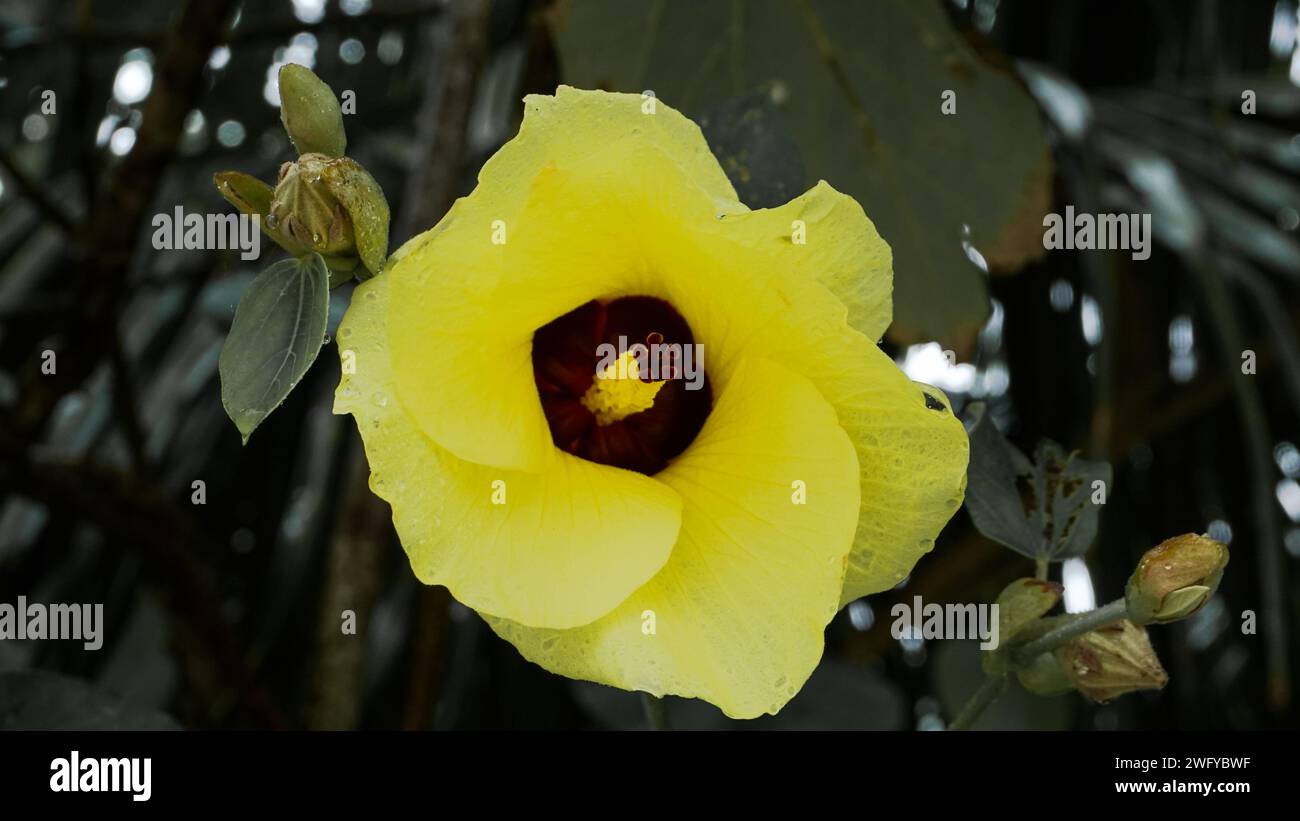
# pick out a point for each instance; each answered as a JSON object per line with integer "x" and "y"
{"x": 226, "y": 614}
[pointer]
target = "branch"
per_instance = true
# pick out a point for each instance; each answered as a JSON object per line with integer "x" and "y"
{"x": 32, "y": 190}
{"x": 121, "y": 215}
{"x": 166, "y": 538}
{"x": 119, "y": 37}
{"x": 355, "y": 563}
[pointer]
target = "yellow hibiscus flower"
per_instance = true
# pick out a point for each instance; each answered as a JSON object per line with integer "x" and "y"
{"x": 675, "y": 537}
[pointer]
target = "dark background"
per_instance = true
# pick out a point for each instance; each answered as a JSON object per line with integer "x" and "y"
{"x": 225, "y": 615}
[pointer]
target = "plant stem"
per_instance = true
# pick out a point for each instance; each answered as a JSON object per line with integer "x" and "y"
{"x": 1078, "y": 625}
{"x": 1082, "y": 623}
{"x": 656, "y": 712}
{"x": 983, "y": 697}
{"x": 1040, "y": 569}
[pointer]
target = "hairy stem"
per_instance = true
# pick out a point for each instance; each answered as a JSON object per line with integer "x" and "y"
{"x": 983, "y": 697}
{"x": 1075, "y": 627}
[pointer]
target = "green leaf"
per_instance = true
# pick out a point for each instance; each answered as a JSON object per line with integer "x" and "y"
{"x": 1064, "y": 489}
{"x": 992, "y": 498}
{"x": 279, "y": 328}
{"x": 1042, "y": 509}
{"x": 859, "y": 86}
{"x": 310, "y": 112}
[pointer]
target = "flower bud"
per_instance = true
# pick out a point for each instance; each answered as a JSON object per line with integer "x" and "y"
{"x": 1175, "y": 578}
{"x": 1023, "y": 601}
{"x": 1044, "y": 676}
{"x": 310, "y": 112}
{"x": 1020, "y": 604}
{"x": 305, "y": 210}
{"x": 1111, "y": 661}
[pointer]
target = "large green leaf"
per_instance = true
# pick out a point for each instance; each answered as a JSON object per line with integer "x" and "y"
{"x": 859, "y": 86}
{"x": 279, "y": 328}
{"x": 757, "y": 151}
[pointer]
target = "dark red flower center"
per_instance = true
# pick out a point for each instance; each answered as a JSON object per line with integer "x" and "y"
{"x": 569, "y": 352}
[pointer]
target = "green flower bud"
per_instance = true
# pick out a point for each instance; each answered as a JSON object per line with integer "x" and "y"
{"x": 311, "y": 113}
{"x": 335, "y": 208}
{"x": 305, "y": 210}
{"x": 1020, "y": 604}
{"x": 1044, "y": 676}
{"x": 1111, "y": 661}
{"x": 1175, "y": 578}
{"x": 1023, "y": 601}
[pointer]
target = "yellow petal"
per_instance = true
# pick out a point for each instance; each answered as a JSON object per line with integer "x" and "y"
{"x": 526, "y": 247}
{"x": 739, "y": 610}
{"x": 913, "y": 460}
{"x": 825, "y": 235}
{"x": 761, "y": 296}
{"x": 559, "y": 548}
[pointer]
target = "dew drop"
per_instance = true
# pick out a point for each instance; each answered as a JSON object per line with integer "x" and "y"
{"x": 380, "y": 399}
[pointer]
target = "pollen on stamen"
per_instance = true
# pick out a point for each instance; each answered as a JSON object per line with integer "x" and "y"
{"x": 618, "y": 391}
